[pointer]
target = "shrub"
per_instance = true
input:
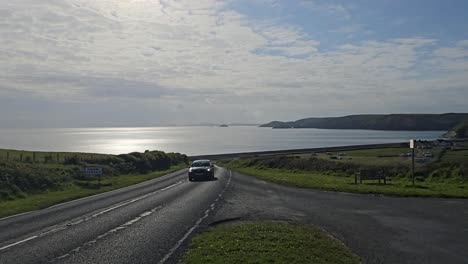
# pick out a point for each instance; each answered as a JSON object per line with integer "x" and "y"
{"x": 72, "y": 160}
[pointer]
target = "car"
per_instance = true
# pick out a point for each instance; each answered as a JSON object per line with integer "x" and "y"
{"x": 201, "y": 169}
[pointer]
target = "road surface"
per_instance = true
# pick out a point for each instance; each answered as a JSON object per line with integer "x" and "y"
{"x": 153, "y": 222}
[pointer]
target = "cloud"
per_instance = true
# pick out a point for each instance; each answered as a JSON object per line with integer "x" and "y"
{"x": 176, "y": 54}
{"x": 336, "y": 10}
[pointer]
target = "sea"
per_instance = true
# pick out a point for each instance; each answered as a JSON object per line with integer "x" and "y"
{"x": 195, "y": 140}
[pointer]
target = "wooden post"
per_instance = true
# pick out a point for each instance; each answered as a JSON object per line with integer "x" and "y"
{"x": 412, "y": 164}
{"x": 21, "y": 157}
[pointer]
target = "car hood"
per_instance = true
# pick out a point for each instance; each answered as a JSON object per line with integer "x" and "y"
{"x": 201, "y": 168}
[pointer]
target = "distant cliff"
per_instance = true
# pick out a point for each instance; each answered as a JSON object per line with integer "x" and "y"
{"x": 459, "y": 131}
{"x": 379, "y": 122}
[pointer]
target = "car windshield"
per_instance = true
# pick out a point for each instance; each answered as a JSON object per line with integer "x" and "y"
{"x": 201, "y": 164}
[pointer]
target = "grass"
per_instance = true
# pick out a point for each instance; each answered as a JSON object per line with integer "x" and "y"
{"x": 76, "y": 190}
{"x": 266, "y": 242}
{"x": 380, "y": 157}
{"x": 455, "y": 156}
{"x": 333, "y": 182}
{"x": 55, "y": 157}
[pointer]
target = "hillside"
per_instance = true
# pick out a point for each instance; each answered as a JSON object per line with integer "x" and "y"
{"x": 459, "y": 131}
{"x": 379, "y": 122}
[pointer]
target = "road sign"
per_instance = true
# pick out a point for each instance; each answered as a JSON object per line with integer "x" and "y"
{"x": 93, "y": 171}
{"x": 411, "y": 144}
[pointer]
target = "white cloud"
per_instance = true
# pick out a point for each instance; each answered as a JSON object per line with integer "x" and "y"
{"x": 177, "y": 53}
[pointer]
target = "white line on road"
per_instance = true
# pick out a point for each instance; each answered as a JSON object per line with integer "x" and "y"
{"x": 99, "y": 194}
{"x": 189, "y": 232}
{"x": 67, "y": 225}
{"x": 19, "y": 242}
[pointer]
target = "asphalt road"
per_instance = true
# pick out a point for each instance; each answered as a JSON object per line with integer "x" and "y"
{"x": 153, "y": 222}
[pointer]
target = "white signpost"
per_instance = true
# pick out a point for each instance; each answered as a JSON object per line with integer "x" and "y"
{"x": 411, "y": 145}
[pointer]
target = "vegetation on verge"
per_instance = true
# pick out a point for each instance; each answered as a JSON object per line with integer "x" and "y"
{"x": 445, "y": 176}
{"x": 267, "y": 242}
{"x": 35, "y": 180}
{"x": 76, "y": 190}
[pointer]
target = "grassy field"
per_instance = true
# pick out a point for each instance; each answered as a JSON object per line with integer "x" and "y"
{"x": 381, "y": 157}
{"x": 267, "y": 242}
{"x": 445, "y": 175}
{"x": 455, "y": 156}
{"x": 75, "y": 190}
{"x": 396, "y": 187}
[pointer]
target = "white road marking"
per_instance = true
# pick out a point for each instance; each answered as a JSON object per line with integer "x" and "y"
{"x": 64, "y": 256}
{"x": 99, "y": 194}
{"x": 121, "y": 227}
{"x": 189, "y": 232}
{"x": 67, "y": 225}
{"x": 19, "y": 242}
{"x": 11, "y": 216}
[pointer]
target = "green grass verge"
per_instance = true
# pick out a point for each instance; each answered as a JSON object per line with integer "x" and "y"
{"x": 76, "y": 190}
{"x": 316, "y": 180}
{"x": 267, "y": 242}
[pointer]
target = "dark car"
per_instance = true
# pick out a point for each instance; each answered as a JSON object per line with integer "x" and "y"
{"x": 201, "y": 169}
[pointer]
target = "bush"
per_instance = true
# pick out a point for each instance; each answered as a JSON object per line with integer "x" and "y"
{"x": 104, "y": 159}
{"x": 149, "y": 161}
{"x": 48, "y": 159}
{"x": 73, "y": 160}
{"x": 20, "y": 178}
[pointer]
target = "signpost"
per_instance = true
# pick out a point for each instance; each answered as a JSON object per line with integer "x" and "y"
{"x": 95, "y": 171}
{"x": 412, "y": 143}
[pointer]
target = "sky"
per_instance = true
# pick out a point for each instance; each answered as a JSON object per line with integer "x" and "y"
{"x": 95, "y": 63}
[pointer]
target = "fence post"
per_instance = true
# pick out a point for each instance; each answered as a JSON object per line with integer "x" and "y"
{"x": 21, "y": 157}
